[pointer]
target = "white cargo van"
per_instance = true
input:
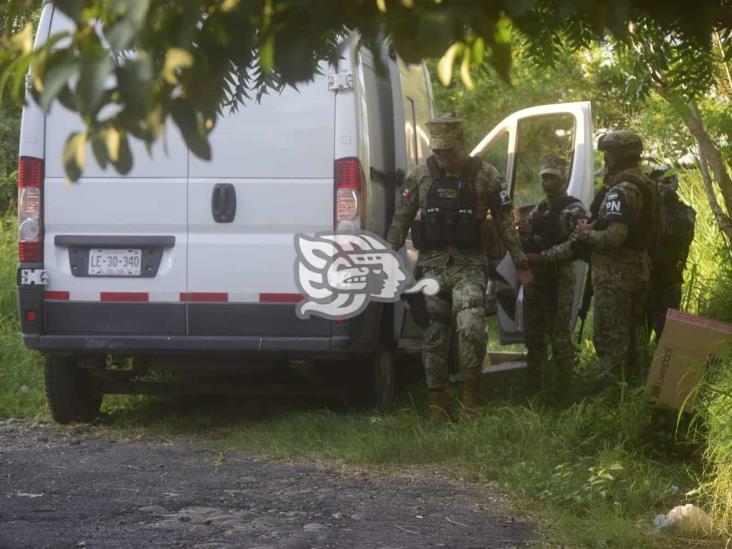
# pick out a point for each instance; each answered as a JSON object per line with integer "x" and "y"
{"x": 186, "y": 263}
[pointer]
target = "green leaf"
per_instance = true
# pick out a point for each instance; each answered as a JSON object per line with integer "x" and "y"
{"x": 74, "y": 155}
{"x": 90, "y": 87}
{"x": 266, "y": 54}
{"x": 123, "y": 164}
{"x": 113, "y": 143}
{"x": 444, "y": 66}
{"x": 99, "y": 148}
{"x": 176, "y": 59}
{"x": 191, "y": 127}
{"x": 59, "y": 69}
{"x": 134, "y": 13}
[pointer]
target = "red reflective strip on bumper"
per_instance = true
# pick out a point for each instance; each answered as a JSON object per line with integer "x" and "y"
{"x": 204, "y": 296}
{"x": 58, "y": 296}
{"x": 124, "y": 296}
{"x": 280, "y": 298}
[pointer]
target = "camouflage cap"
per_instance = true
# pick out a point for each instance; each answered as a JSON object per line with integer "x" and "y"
{"x": 621, "y": 139}
{"x": 445, "y": 131}
{"x": 552, "y": 164}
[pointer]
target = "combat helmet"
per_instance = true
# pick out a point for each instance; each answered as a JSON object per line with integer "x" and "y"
{"x": 623, "y": 141}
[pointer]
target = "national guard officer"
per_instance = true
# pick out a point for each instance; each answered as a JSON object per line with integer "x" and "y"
{"x": 626, "y": 227}
{"x": 453, "y": 193}
{"x": 548, "y": 300}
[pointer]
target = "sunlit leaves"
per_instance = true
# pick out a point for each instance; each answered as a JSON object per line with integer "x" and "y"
{"x": 132, "y": 65}
{"x": 176, "y": 59}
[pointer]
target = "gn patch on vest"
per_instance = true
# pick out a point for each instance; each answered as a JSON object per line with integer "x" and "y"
{"x": 616, "y": 207}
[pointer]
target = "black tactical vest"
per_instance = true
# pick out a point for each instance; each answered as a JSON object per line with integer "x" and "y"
{"x": 450, "y": 214}
{"x": 546, "y": 225}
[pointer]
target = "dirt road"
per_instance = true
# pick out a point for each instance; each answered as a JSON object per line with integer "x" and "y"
{"x": 75, "y": 488}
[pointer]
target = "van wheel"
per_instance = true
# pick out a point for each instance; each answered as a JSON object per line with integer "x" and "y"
{"x": 70, "y": 391}
{"x": 383, "y": 374}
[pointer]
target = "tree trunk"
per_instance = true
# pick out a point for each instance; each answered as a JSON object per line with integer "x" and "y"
{"x": 710, "y": 158}
{"x": 722, "y": 220}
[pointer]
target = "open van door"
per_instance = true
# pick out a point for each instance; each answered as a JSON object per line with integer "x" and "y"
{"x": 514, "y": 146}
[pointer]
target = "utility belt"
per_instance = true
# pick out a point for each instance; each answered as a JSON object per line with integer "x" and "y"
{"x": 440, "y": 227}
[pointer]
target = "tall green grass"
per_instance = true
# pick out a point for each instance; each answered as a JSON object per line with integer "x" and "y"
{"x": 21, "y": 375}
{"x": 708, "y": 292}
{"x": 716, "y": 488}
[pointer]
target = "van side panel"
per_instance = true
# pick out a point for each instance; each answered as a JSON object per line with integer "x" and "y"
{"x": 380, "y": 192}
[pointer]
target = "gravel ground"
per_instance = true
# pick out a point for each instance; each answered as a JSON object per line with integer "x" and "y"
{"x": 77, "y": 488}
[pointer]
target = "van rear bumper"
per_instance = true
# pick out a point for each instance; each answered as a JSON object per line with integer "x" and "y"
{"x": 132, "y": 344}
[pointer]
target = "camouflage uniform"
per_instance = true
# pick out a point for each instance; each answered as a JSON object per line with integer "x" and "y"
{"x": 619, "y": 272}
{"x": 548, "y": 300}
{"x": 460, "y": 272}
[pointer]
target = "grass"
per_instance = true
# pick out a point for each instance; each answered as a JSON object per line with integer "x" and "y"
{"x": 716, "y": 415}
{"x": 21, "y": 377}
{"x": 591, "y": 470}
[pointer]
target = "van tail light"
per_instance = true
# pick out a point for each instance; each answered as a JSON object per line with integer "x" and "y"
{"x": 30, "y": 210}
{"x": 348, "y": 195}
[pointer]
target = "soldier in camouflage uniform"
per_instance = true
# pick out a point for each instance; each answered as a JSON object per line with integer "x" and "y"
{"x": 668, "y": 258}
{"x": 453, "y": 193}
{"x": 548, "y": 301}
{"x": 626, "y": 227}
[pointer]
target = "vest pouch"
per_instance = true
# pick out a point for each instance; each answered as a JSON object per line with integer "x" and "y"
{"x": 418, "y": 240}
{"x": 468, "y": 231}
{"x": 450, "y": 226}
{"x": 432, "y": 222}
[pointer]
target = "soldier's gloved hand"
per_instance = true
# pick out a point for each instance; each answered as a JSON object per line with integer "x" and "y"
{"x": 524, "y": 277}
{"x": 582, "y": 228}
{"x": 533, "y": 259}
{"x": 524, "y": 227}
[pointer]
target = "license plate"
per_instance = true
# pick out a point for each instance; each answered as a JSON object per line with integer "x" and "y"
{"x": 113, "y": 262}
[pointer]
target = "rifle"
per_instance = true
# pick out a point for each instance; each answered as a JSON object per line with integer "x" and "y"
{"x": 583, "y": 252}
{"x": 586, "y": 299}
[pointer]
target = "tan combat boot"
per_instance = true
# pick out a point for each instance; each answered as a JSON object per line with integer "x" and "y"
{"x": 437, "y": 407}
{"x": 470, "y": 394}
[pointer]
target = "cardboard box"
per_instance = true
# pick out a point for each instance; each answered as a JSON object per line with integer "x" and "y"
{"x": 688, "y": 346}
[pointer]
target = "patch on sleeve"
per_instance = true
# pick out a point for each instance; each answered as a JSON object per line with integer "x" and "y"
{"x": 504, "y": 197}
{"x": 407, "y": 194}
{"x": 617, "y": 209}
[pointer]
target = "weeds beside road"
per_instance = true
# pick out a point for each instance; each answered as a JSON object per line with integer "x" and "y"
{"x": 592, "y": 471}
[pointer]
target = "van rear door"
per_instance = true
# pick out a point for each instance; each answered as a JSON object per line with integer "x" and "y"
{"x": 112, "y": 238}
{"x": 514, "y": 146}
{"x": 271, "y": 177}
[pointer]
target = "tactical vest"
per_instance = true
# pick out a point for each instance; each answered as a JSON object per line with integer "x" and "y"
{"x": 546, "y": 224}
{"x": 449, "y": 217}
{"x": 644, "y": 232}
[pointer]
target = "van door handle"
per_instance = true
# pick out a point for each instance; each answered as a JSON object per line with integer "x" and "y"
{"x": 223, "y": 203}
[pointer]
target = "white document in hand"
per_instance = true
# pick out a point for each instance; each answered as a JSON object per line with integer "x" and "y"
{"x": 507, "y": 270}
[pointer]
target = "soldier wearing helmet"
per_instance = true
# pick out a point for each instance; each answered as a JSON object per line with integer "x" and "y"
{"x": 624, "y": 229}
{"x": 452, "y": 193}
{"x": 668, "y": 258}
{"x": 548, "y": 302}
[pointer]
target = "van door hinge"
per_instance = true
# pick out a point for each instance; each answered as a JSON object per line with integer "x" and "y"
{"x": 32, "y": 277}
{"x": 340, "y": 81}
{"x": 28, "y": 82}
